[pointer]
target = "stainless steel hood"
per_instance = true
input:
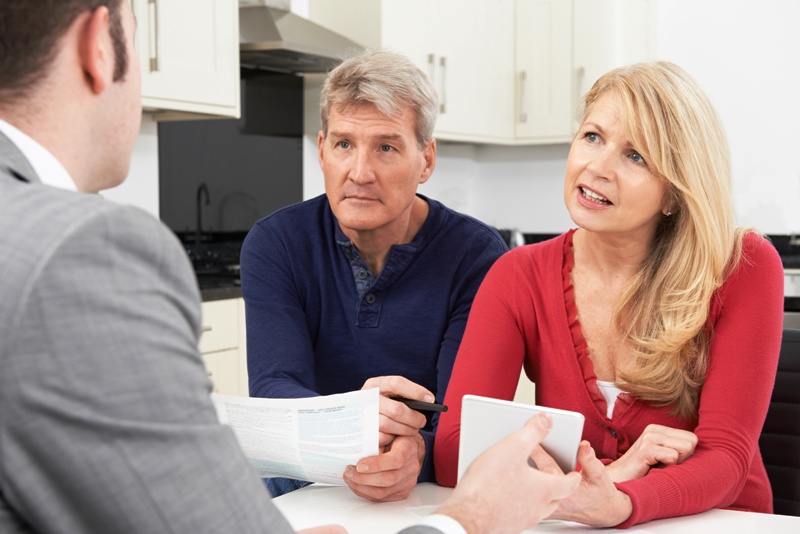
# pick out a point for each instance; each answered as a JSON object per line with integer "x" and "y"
{"x": 278, "y": 40}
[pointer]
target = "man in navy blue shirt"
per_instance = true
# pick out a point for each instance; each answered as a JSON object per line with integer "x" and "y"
{"x": 369, "y": 285}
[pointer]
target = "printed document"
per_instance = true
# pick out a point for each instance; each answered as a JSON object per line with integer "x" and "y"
{"x": 311, "y": 439}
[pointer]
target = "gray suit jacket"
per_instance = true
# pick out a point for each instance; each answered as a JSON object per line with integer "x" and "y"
{"x": 105, "y": 420}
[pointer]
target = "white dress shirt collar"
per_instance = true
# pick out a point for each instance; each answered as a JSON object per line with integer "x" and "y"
{"x": 50, "y": 171}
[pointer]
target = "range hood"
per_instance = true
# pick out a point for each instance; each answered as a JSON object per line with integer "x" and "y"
{"x": 278, "y": 40}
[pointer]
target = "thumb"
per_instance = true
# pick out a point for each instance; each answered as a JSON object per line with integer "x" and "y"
{"x": 591, "y": 467}
{"x": 535, "y": 430}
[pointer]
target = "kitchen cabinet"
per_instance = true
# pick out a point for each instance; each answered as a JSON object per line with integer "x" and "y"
{"x": 506, "y": 72}
{"x": 545, "y": 89}
{"x": 610, "y": 34}
{"x": 222, "y": 346}
{"x": 465, "y": 63}
{"x": 189, "y": 55}
{"x": 465, "y": 47}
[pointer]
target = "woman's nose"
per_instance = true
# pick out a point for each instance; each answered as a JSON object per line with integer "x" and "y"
{"x": 603, "y": 164}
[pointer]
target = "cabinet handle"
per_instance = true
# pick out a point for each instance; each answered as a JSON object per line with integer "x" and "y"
{"x": 206, "y": 329}
{"x": 431, "y": 66}
{"x": 152, "y": 19}
{"x": 443, "y": 84}
{"x": 580, "y": 74}
{"x": 523, "y": 114}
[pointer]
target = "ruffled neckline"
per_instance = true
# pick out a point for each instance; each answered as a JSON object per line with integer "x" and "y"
{"x": 579, "y": 341}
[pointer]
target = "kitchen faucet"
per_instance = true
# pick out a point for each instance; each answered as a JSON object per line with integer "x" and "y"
{"x": 201, "y": 191}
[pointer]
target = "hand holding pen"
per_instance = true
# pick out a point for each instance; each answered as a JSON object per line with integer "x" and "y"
{"x": 421, "y": 406}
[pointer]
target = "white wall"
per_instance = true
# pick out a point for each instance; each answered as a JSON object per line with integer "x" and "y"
{"x": 747, "y": 56}
{"x": 140, "y": 188}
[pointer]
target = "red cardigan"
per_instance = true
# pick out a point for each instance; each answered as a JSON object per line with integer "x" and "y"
{"x": 519, "y": 317}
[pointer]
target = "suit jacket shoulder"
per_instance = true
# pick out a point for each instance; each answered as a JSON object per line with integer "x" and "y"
{"x": 103, "y": 393}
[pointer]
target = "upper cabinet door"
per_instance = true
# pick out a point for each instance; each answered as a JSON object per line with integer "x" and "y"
{"x": 189, "y": 54}
{"x": 610, "y": 34}
{"x": 545, "y": 94}
{"x": 475, "y": 70}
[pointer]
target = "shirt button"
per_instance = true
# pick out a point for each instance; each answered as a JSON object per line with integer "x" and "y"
{"x": 613, "y": 433}
{"x": 362, "y": 273}
{"x": 370, "y": 298}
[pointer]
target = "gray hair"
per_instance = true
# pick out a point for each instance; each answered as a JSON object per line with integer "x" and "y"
{"x": 386, "y": 80}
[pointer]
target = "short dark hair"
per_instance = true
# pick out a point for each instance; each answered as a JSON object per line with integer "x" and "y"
{"x": 30, "y": 31}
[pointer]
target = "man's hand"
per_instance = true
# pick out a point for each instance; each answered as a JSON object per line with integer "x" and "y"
{"x": 500, "y": 492}
{"x": 391, "y": 475}
{"x": 397, "y": 419}
{"x": 658, "y": 444}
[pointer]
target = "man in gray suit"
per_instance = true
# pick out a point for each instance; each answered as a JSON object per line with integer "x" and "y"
{"x": 106, "y": 424}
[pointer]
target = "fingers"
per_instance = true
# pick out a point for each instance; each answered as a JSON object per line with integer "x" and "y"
{"x": 398, "y": 419}
{"x": 536, "y": 428}
{"x": 398, "y": 386}
{"x": 389, "y": 476}
{"x": 592, "y": 469}
{"x": 500, "y": 480}
{"x": 544, "y": 462}
{"x": 400, "y": 453}
{"x": 666, "y": 445}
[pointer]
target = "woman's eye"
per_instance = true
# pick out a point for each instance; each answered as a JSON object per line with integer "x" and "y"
{"x": 591, "y": 137}
{"x": 637, "y": 158}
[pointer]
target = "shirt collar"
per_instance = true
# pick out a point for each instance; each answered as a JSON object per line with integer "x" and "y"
{"x": 49, "y": 170}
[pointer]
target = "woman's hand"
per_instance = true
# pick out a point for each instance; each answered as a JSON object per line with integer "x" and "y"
{"x": 397, "y": 419}
{"x": 658, "y": 445}
{"x": 596, "y": 502}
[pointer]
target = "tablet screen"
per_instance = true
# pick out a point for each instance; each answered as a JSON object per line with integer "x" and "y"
{"x": 485, "y": 421}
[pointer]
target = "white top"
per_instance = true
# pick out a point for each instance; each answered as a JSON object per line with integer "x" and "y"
{"x": 50, "y": 171}
{"x": 610, "y": 391}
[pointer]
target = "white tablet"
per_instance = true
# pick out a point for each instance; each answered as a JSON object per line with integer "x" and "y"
{"x": 485, "y": 421}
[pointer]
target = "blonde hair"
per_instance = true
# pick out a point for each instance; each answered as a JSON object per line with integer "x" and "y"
{"x": 664, "y": 310}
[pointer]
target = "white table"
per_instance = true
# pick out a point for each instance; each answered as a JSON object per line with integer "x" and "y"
{"x": 318, "y": 504}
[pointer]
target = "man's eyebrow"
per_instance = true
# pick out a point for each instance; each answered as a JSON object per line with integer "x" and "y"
{"x": 380, "y": 137}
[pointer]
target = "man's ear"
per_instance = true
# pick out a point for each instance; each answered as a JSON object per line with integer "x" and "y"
{"x": 96, "y": 51}
{"x": 429, "y": 156}
{"x": 320, "y": 146}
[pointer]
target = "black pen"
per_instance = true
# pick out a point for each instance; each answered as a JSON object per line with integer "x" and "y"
{"x": 421, "y": 406}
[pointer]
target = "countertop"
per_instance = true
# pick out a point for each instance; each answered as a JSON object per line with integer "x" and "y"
{"x": 220, "y": 293}
{"x": 215, "y": 259}
{"x": 216, "y": 262}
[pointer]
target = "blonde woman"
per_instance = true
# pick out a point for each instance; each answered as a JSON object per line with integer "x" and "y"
{"x": 657, "y": 318}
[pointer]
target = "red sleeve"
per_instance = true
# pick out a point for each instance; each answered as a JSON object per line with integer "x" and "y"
{"x": 489, "y": 359}
{"x": 726, "y": 468}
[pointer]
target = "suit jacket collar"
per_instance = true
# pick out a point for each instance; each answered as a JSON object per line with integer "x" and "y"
{"x": 14, "y": 162}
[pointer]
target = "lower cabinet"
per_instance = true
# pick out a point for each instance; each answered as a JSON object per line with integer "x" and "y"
{"x": 222, "y": 346}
